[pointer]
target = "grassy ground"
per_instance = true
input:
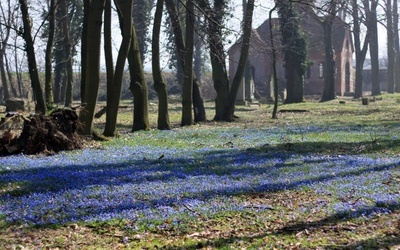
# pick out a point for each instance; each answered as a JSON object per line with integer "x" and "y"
{"x": 322, "y": 176}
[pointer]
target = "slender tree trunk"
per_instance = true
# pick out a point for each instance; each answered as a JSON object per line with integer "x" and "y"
{"x": 187, "y": 96}
{"x": 124, "y": 8}
{"x": 396, "y": 46}
{"x": 10, "y": 78}
{"x": 198, "y": 57}
{"x": 58, "y": 77}
{"x": 108, "y": 47}
{"x": 84, "y": 45}
{"x": 68, "y": 56}
{"x": 218, "y": 56}
{"x": 390, "y": 47}
{"x": 6, "y": 93}
{"x": 274, "y": 76}
{"x": 360, "y": 52}
{"x": 7, "y": 16}
{"x": 109, "y": 61}
{"x": 329, "y": 67}
{"x": 372, "y": 25}
{"x": 30, "y": 51}
{"x": 141, "y": 18}
{"x": 48, "y": 85}
{"x": 17, "y": 71}
{"x": 294, "y": 50}
{"x": 237, "y": 80}
{"x": 180, "y": 48}
{"x": 163, "y": 122}
{"x": 92, "y": 67}
{"x": 198, "y": 102}
{"x": 138, "y": 86}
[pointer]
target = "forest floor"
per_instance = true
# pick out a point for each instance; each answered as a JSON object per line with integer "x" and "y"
{"x": 321, "y": 176}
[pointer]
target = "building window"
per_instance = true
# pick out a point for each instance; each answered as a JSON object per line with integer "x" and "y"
{"x": 321, "y": 70}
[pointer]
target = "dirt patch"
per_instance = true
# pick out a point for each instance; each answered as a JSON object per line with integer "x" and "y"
{"x": 40, "y": 133}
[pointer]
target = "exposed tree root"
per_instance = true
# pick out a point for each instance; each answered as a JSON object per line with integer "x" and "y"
{"x": 43, "y": 134}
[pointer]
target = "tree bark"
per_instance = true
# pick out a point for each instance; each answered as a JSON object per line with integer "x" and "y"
{"x": 294, "y": 50}
{"x": 187, "y": 95}
{"x": 92, "y": 67}
{"x": 138, "y": 86}
{"x": 274, "y": 76}
{"x": 329, "y": 68}
{"x": 397, "y": 46}
{"x": 48, "y": 85}
{"x": 180, "y": 48}
{"x": 124, "y": 8}
{"x": 390, "y": 47}
{"x": 237, "y": 80}
{"x": 84, "y": 45}
{"x": 217, "y": 56}
{"x": 360, "y": 51}
{"x": 8, "y": 14}
{"x": 108, "y": 46}
{"x": 67, "y": 51}
{"x": 6, "y": 92}
{"x": 163, "y": 122}
{"x": 141, "y": 18}
{"x": 30, "y": 51}
{"x": 372, "y": 26}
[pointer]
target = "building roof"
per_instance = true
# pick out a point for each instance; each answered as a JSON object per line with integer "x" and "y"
{"x": 310, "y": 26}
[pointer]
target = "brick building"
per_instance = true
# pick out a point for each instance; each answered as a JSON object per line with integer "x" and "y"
{"x": 260, "y": 57}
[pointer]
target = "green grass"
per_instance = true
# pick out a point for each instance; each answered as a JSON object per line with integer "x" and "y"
{"x": 296, "y": 220}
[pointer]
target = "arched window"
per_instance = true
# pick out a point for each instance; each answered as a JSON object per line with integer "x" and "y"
{"x": 321, "y": 70}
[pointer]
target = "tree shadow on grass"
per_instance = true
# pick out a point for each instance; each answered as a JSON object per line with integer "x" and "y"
{"x": 228, "y": 168}
{"x": 326, "y": 224}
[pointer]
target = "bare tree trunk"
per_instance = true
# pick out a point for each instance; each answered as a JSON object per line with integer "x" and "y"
{"x": 274, "y": 77}
{"x": 329, "y": 68}
{"x": 230, "y": 106}
{"x": 6, "y": 16}
{"x": 396, "y": 46}
{"x": 6, "y": 93}
{"x": 30, "y": 51}
{"x": 10, "y": 78}
{"x": 84, "y": 45}
{"x": 217, "y": 56}
{"x": 360, "y": 52}
{"x": 138, "y": 86}
{"x": 390, "y": 47}
{"x": 92, "y": 67}
{"x": 114, "y": 91}
{"x": 58, "y": 78}
{"x": 163, "y": 122}
{"x": 17, "y": 71}
{"x": 108, "y": 47}
{"x": 48, "y": 85}
{"x": 372, "y": 25}
{"x": 294, "y": 50}
{"x": 68, "y": 56}
{"x": 180, "y": 48}
{"x": 187, "y": 96}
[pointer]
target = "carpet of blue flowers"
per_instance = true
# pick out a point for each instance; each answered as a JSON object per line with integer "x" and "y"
{"x": 151, "y": 176}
